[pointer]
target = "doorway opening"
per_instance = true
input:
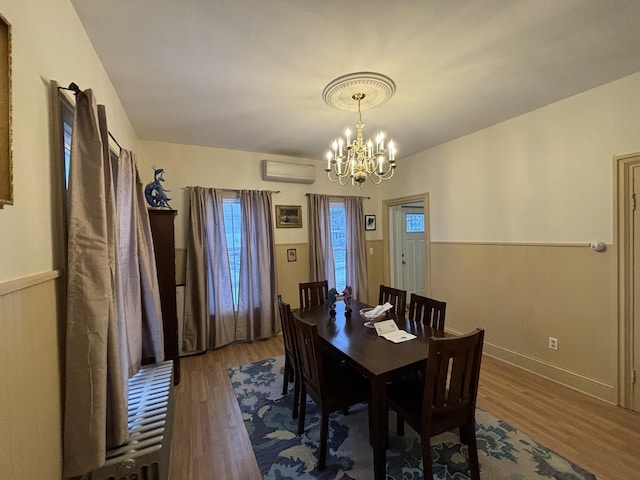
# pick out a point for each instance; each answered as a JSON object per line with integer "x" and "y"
{"x": 406, "y": 242}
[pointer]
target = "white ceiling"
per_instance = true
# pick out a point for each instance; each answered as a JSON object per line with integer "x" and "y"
{"x": 249, "y": 74}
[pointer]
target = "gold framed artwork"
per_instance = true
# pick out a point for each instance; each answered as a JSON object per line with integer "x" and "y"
{"x": 6, "y": 166}
{"x": 288, "y": 216}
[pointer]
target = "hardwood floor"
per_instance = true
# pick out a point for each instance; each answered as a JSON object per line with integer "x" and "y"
{"x": 210, "y": 441}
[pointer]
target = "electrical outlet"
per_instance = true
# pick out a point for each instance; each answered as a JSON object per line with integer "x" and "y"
{"x": 553, "y": 343}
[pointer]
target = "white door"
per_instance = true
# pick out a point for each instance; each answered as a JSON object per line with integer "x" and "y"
{"x": 414, "y": 265}
{"x": 635, "y": 302}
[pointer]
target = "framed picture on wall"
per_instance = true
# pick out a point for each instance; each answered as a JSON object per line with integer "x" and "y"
{"x": 288, "y": 216}
{"x": 292, "y": 255}
{"x": 369, "y": 222}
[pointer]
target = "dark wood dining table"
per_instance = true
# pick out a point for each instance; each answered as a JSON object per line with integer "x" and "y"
{"x": 376, "y": 358}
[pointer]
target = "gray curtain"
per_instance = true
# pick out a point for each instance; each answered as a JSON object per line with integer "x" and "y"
{"x": 106, "y": 245}
{"x": 211, "y": 318}
{"x": 321, "y": 265}
{"x": 139, "y": 310}
{"x": 95, "y": 416}
{"x": 321, "y": 250}
{"x": 356, "y": 247}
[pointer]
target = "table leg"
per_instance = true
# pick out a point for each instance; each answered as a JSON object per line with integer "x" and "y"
{"x": 379, "y": 425}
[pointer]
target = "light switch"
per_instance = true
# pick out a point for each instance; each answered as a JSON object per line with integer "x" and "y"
{"x": 370, "y": 250}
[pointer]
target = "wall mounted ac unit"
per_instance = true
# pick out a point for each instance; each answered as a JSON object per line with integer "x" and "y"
{"x": 288, "y": 172}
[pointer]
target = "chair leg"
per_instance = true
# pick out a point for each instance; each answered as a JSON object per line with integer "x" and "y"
{"x": 303, "y": 410}
{"x": 324, "y": 434}
{"x": 472, "y": 448}
{"x": 296, "y": 396}
{"x": 399, "y": 425}
{"x": 287, "y": 373}
{"x": 426, "y": 457}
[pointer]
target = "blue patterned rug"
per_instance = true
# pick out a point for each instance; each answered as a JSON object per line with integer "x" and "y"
{"x": 504, "y": 452}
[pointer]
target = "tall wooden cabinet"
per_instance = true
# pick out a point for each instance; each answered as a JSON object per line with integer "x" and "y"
{"x": 162, "y": 230}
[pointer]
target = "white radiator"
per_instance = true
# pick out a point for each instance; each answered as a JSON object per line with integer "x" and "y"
{"x": 146, "y": 455}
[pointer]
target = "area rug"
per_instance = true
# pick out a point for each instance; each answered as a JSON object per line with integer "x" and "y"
{"x": 505, "y": 453}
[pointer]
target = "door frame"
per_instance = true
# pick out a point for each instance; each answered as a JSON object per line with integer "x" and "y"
{"x": 386, "y": 228}
{"x": 623, "y": 236}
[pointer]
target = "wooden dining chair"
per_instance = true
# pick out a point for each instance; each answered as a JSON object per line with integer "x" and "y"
{"x": 313, "y": 293}
{"x": 427, "y": 311}
{"x": 332, "y": 387}
{"x": 291, "y": 364}
{"x": 396, "y": 297}
{"x": 446, "y": 399}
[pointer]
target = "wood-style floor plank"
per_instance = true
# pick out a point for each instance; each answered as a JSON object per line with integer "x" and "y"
{"x": 210, "y": 441}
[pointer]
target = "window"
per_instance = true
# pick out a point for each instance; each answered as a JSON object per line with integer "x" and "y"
{"x": 415, "y": 222}
{"x": 67, "y": 112}
{"x": 232, "y": 225}
{"x": 337, "y": 217}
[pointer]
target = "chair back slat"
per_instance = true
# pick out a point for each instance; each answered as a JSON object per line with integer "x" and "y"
{"x": 427, "y": 311}
{"x": 313, "y": 293}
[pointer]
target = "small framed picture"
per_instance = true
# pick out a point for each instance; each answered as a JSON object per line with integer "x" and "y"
{"x": 292, "y": 255}
{"x": 369, "y": 222}
{"x": 288, "y": 216}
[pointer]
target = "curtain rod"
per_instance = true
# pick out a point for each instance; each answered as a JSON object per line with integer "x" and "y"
{"x": 73, "y": 87}
{"x": 360, "y": 196}
{"x": 228, "y": 189}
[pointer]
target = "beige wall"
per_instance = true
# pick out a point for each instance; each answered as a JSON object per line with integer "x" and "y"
{"x": 536, "y": 190}
{"x": 31, "y": 392}
{"x": 523, "y": 294}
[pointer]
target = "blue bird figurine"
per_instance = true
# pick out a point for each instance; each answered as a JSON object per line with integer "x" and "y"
{"x": 331, "y": 298}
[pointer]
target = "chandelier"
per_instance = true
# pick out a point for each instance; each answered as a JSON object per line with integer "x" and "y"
{"x": 352, "y": 159}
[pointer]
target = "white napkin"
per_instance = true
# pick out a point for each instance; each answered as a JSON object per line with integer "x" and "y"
{"x": 378, "y": 310}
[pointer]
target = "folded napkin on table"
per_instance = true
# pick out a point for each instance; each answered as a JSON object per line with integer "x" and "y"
{"x": 378, "y": 310}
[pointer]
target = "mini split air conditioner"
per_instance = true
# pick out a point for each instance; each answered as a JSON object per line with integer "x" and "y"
{"x": 288, "y": 172}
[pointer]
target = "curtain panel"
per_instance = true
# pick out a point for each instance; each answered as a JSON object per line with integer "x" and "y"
{"x": 93, "y": 420}
{"x": 356, "y": 247}
{"x": 321, "y": 265}
{"x": 108, "y": 253}
{"x": 139, "y": 312}
{"x": 212, "y": 318}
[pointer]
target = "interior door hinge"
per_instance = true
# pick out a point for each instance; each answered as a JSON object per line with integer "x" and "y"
{"x": 633, "y": 377}
{"x": 633, "y": 201}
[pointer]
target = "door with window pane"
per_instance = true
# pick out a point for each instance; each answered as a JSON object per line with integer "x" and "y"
{"x": 414, "y": 278}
